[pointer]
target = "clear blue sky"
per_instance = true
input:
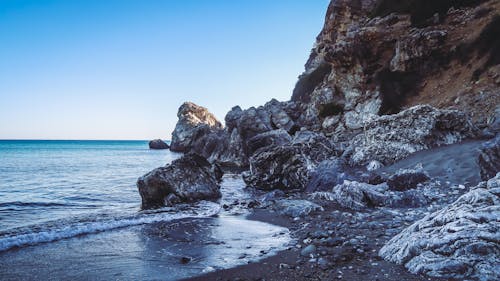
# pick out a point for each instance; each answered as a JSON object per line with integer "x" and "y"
{"x": 98, "y": 69}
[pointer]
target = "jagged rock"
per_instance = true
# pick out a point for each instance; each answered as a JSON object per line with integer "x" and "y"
{"x": 328, "y": 174}
{"x": 187, "y": 179}
{"x": 288, "y": 166}
{"x": 390, "y": 138}
{"x": 460, "y": 241}
{"x": 158, "y": 144}
{"x": 355, "y": 195}
{"x": 405, "y": 179}
{"x": 489, "y": 158}
{"x": 194, "y": 122}
{"x": 295, "y": 208}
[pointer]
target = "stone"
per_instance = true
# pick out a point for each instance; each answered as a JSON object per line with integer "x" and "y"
{"x": 288, "y": 167}
{"x": 355, "y": 195}
{"x": 190, "y": 178}
{"x": 158, "y": 144}
{"x": 269, "y": 138}
{"x": 194, "y": 122}
{"x": 489, "y": 158}
{"x": 405, "y": 179}
{"x": 390, "y": 138}
{"x": 295, "y": 208}
{"x": 328, "y": 174}
{"x": 307, "y": 251}
{"x": 460, "y": 241}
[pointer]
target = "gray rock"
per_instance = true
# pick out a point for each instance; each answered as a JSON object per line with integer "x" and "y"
{"x": 390, "y": 138}
{"x": 295, "y": 208}
{"x": 489, "y": 158}
{"x": 355, "y": 195}
{"x": 460, "y": 241}
{"x": 158, "y": 144}
{"x": 188, "y": 179}
{"x": 405, "y": 179}
{"x": 288, "y": 166}
{"x": 309, "y": 250}
{"x": 269, "y": 138}
{"x": 328, "y": 174}
{"x": 194, "y": 122}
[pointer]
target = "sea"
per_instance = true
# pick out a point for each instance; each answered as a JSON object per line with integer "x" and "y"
{"x": 70, "y": 209}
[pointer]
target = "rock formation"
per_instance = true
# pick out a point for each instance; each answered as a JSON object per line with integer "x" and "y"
{"x": 460, "y": 241}
{"x": 194, "y": 122}
{"x": 158, "y": 144}
{"x": 188, "y": 179}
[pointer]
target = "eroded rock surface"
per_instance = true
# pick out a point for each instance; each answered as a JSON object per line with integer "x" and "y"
{"x": 194, "y": 122}
{"x": 460, "y": 241}
{"x": 390, "y": 138}
{"x": 188, "y": 179}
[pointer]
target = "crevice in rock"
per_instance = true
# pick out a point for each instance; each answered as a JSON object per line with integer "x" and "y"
{"x": 395, "y": 87}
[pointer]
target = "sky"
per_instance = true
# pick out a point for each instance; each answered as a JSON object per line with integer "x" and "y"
{"x": 106, "y": 69}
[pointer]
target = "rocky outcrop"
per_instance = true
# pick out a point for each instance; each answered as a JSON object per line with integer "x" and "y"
{"x": 460, "y": 241}
{"x": 158, "y": 144}
{"x": 390, "y": 138}
{"x": 288, "y": 167}
{"x": 376, "y": 57}
{"x": 188, "y": 179}
{"x": 295, "y": 208}
{"x": 194, "y": 122}
{"x": 489, "y": 158}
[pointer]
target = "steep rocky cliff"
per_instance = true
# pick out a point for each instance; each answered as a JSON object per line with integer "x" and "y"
{"x": 381, "y": 56}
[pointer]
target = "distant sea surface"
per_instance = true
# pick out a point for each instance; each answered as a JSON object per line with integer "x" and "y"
{"x": 71, "y": 210}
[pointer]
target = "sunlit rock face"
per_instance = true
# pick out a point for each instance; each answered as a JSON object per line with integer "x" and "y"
{"x": 194, "y": 122}
{"x": 459, "y": 241}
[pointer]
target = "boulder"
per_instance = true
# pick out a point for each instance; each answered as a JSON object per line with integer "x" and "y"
{"x": 406, "y": 179}
{"x": 489, "y": 158}
{"x": 269, "y": 138}
{"x": 187, "y": 179}
{"x": 194, "y": 122}
{"x": 288, "y": 166}
{"x": 390, "y": 138}
{"x": 158, "y": 144}
{"x": 460, "y": 241}
{"x": 328, "y": 174}
{"x": 355, "y": 195}
{"x": 295, "y": 208}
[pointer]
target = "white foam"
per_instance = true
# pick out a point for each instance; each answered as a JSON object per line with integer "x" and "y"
{"x": 58, "y": 232}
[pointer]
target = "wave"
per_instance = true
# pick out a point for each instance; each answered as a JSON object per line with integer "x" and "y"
{"x": 33, "y": 204}
{"x": 63, "y": 229}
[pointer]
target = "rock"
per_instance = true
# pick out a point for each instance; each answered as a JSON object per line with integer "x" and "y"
{"x": 374, "y": 165}
{"x": 355, "y": 195}
{"x": 288, "y": 167}
{"x": 307, "y": 251}
{"x": 390, "y": 138}
{"x": 295, "y": 208}
{"x": 460, "y": 241}
{"x": 158, "y": 144}
{"x": 269, "y": 138}
{"x": 328, "y": 174}
{"x": 187, "y": 179}
{"x": 489, "y": 158}
{"x": 405, "y": 179}
{"x": 194, "y": 122}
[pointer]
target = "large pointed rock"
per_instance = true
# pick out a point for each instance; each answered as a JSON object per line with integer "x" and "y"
{"x": 194, "y": 122}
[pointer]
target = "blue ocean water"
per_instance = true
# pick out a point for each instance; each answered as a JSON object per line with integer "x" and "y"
{"x": 49, "y": 182}
{"x": 70, "y": 210}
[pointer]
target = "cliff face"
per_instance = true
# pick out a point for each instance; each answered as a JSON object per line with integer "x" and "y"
{"x": 377, "y": 57}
